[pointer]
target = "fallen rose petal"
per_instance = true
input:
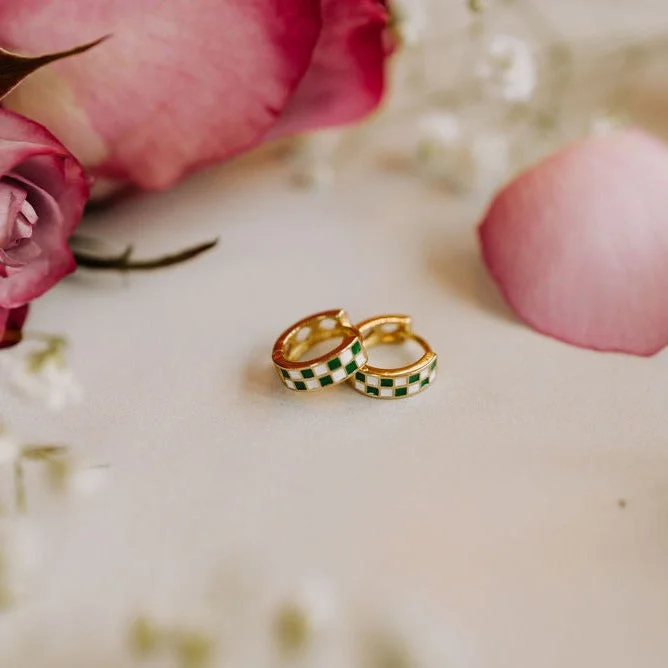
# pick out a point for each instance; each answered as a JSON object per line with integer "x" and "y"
{"x": 579, "y": 244}
{"x": 346, "y": 78}
{"x": 194, "y": 82}
{"x": 176, "y": 86}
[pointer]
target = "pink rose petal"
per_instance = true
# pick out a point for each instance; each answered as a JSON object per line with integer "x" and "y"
{"x": 12, "y": 199}
{"x": 179, "y": 84}
{"x": 346, "y": 78}
{"x": 579, "y": 244}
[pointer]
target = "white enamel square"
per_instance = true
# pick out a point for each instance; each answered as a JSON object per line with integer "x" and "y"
{"x": 346, "y": 356}
{"x": 360, "y": 358}
{"x": 412, "y": 389}
{"x": 360, "y": 386}
{"x": 432, "y": 377}
{"x": 400, "y": 382}
{"x": 295, "y": 375}
{"x": 372, "y": 380}
{"x": 386, "y": 392}
{"x": 424, "y": 373}
{"x": 312, "y": 384}
{"x": 321, "y": 370}
{"x": 290, "y": 384}
{"x": 338, "y": 375}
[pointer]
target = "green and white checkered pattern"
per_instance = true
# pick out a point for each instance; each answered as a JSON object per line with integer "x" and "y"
{"x": 331, "y": 372}
{"x": 386, "y": 387}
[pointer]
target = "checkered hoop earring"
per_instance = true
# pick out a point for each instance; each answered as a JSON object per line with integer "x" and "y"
{"x": 396, "y": 383}
{"x": 331, "y": 368}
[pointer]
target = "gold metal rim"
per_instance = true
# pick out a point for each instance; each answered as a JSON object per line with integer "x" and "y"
{"x": 331, "y": 368}
{"x": 396, "y": 382}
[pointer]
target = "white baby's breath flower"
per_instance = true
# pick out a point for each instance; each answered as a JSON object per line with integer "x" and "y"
{"x": 20, "y": 555}
{"x": 604, "y": 124}
{"x": 305, "y": 616}
{"x": 510, "y": 67}
{"x": 410, "y": 634}
{"x": 477, "y": 6}
{"x": 441, "y": 148}
{"x": 319, "y": 176}
{"x": 490, "y": 155}
{"x": 314, "y": 159}
{"x": 318, "y": 600}
{"x": 52, "y": 382}
{"x": 9, "y": 448}
{"x": 460, "y": 159}
{"x": 410, "y": 20}
{"x": 88, "y": 481}
{"x": 439, "y": 130}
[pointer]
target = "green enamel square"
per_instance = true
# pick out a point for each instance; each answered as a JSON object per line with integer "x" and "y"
{"x": 285, "y": 373}
{"x": 424, "y": 382}
{"x": 351, "y": 366}
{"x": 386, "y": 382}
{"x": 414, "y": 378}
{"x": 357, "y": 346}
{"x": 372, "y": 390}
{"x": 299, "y": 385}
{"x": 326, "y": 380}
{"x": 334, "y": 364}
{"x": 307, "y": 373}
{"x": 360, "y": 376}
{"x": 433, "y": 365}
{"x": 401, "y": 392}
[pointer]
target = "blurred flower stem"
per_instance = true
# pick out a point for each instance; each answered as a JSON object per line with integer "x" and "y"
{"x": 53, "y": 456}
{"x": 124, "y": 261}
{"x": 20, "y": 495}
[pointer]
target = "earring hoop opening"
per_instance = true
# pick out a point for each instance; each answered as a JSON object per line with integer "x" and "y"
{"x": 399, "y": 382}
{"x": 331, "y": 368}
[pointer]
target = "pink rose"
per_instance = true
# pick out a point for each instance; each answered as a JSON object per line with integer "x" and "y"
{"x": 185, "y": 83}
{"x": 42, "y": 195}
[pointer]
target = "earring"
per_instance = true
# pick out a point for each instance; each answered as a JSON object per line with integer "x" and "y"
{"x": 400, "y": 382}
{"x": 331, "y": 368}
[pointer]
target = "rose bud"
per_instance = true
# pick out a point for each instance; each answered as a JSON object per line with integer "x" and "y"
{"x": 43, "y": 191}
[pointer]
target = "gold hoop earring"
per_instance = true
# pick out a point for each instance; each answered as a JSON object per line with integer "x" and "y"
{"x": 403, "y": 381}
{"x": 331, "y": 368}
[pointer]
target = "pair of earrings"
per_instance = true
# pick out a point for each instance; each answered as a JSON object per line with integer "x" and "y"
{"x": 349, "y": 360}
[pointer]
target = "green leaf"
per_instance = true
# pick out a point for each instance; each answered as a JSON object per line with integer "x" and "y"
{"x": 14, "y": 68}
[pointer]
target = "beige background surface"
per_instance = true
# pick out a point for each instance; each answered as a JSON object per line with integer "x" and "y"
{"x": 494, "y": 496}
